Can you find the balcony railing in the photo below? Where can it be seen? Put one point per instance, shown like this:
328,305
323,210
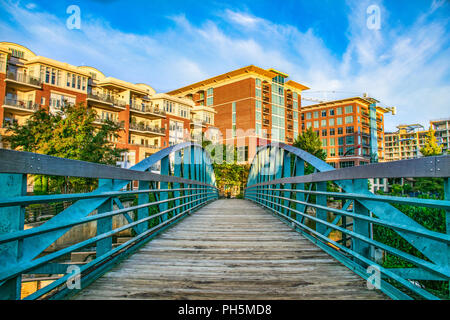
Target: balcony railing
107,99
266,110
23,78
103,120
146,108
144,128
147,146
21,104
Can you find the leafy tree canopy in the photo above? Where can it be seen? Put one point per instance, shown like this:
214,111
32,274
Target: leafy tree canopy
70,134
431,147
310,142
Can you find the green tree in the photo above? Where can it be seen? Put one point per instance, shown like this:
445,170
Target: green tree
431,147
69,134
310,142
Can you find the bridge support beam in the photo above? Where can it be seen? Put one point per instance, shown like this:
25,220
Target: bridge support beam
164,185
320,213
143,198
11,220
105,224
299,196
359,226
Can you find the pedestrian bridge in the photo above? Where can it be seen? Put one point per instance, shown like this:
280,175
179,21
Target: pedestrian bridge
296,235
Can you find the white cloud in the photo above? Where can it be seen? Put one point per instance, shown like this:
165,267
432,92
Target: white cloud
408,68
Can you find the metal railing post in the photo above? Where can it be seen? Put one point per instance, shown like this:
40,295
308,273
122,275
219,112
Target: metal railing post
321,213
11,220
164,185
177,173
287,173
142,199
299,196
360,226
105,224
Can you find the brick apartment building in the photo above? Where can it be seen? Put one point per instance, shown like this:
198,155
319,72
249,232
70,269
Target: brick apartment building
150,121
351,130
251,103
442,133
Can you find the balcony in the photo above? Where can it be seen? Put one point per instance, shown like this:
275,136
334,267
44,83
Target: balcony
290,128
266,110
196,123
288,139
20,106
147,110
266,122
141,128
22,81
153,147
100,120
107,100
289,105
266,89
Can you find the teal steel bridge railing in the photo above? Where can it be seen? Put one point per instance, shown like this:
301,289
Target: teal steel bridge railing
277,182
186,183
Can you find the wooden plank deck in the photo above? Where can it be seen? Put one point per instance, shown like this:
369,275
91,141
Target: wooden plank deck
230,249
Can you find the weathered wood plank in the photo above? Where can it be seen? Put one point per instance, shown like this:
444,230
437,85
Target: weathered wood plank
230,249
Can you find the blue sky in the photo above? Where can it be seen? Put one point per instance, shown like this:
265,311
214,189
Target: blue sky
323,44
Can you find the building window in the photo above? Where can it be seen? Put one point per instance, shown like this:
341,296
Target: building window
258,83
350,130
332,132
324,142
339,111
340,130
348,119
308,125
210,97
340,141
324,113
332,142
324,132
316,114
308,116
331,122
347,164
349,140
338,121
233,106
316,124
324,122
348,109
47,75
332,152
341,151
331,112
